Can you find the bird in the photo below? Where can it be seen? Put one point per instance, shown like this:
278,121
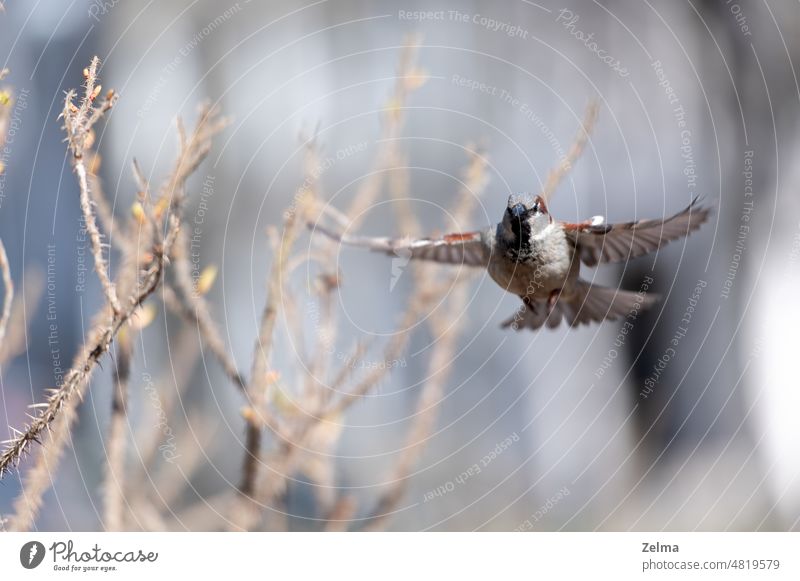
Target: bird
538,258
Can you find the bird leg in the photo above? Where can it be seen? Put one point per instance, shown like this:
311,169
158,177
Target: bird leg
552,299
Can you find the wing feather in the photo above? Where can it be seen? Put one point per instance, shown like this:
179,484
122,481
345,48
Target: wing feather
618,242
467,248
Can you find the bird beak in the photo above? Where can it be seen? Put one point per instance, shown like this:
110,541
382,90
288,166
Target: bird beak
518,211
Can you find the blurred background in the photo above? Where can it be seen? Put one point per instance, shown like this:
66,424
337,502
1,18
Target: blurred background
686,422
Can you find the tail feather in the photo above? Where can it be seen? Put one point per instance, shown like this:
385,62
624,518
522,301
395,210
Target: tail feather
587,303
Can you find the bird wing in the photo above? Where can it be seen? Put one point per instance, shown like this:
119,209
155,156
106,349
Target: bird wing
616,242
466,248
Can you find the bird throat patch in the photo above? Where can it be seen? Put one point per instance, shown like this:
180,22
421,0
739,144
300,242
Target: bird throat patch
520,248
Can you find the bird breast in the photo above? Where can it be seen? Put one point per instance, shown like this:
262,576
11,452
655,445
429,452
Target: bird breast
549,266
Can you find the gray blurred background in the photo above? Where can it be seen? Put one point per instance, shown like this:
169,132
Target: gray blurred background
698,93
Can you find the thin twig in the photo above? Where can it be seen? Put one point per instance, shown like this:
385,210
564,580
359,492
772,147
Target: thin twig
407,79
259,414
8,292
186,350
556,175
114,505
99,202
15,341
320,427
342,513
193,307
78,122
445,326
426,412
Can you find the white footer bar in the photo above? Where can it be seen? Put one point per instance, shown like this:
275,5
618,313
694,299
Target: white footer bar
401,556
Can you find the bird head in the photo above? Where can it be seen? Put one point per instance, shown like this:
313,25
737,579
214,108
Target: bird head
525,217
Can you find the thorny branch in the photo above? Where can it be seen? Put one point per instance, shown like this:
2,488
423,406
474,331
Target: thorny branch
78,123
193,149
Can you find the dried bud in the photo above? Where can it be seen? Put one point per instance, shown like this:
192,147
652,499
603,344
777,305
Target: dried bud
393,108
94,164
206,279
284,402
138,213
416,78
96,92
146,258
142,317
161,206
329,281
249,414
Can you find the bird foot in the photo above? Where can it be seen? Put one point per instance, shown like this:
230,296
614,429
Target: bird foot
552,299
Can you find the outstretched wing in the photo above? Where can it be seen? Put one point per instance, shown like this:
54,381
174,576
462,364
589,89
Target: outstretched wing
615,242
467,248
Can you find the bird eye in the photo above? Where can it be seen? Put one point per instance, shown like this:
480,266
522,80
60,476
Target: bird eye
536,207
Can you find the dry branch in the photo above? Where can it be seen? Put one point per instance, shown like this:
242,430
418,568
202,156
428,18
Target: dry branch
112,317
258,414
114,487
323,414
555,176
444,327
78,123
189,303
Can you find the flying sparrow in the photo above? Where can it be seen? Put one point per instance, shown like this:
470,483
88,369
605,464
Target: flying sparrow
539,258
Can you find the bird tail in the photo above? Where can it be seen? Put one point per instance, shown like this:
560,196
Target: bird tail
586,303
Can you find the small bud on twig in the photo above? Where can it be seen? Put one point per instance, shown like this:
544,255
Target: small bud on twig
206,279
